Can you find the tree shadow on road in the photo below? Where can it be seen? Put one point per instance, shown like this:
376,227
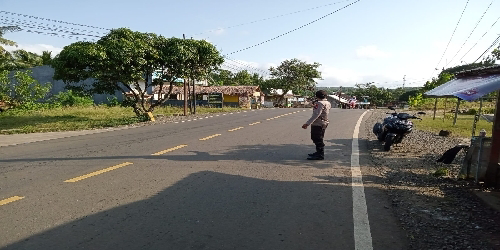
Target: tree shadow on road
337,152
209,210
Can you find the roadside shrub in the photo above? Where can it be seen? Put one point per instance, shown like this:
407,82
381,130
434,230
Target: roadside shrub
71,99
441,172
22,89
471,111
113,102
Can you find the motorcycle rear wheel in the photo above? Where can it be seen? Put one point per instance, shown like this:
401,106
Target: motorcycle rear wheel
388,143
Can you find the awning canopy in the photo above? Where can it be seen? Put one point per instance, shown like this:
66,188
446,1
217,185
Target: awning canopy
467,88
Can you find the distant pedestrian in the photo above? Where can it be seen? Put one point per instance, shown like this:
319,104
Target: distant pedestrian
319,122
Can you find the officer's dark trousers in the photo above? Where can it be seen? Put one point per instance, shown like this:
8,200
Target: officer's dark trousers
317,134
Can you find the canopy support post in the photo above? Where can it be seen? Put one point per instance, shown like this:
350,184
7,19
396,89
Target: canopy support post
435,109
456,112
444,110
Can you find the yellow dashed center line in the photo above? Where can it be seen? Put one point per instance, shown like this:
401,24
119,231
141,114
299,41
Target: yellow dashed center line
210,137
255,123
11,199
234,129
79,178
169,150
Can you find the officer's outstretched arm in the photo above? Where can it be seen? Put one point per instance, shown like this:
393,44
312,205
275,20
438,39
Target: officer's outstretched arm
316,113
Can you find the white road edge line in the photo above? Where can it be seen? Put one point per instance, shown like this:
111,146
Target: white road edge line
362,234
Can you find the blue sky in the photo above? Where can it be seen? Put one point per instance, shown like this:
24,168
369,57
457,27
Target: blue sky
372,40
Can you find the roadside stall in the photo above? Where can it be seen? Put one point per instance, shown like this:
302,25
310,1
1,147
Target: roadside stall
472,85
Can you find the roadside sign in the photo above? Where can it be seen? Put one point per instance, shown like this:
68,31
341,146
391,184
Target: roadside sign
216,100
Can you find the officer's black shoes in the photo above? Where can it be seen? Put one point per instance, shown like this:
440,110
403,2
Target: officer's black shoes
313,154
316,158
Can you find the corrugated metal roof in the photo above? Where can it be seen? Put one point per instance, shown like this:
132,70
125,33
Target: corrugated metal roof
470,84
468,88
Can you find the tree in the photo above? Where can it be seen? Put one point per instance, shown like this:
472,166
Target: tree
3,41
294,75
46,57
241,78
22,88
123,59
443,78
221,78
377,96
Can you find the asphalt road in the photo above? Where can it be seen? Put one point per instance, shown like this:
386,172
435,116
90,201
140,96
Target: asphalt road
241,186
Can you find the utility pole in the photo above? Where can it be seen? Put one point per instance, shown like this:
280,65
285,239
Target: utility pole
404,81
185,90
194,95
194,91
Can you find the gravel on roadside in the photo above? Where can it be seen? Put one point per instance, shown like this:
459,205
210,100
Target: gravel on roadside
435,212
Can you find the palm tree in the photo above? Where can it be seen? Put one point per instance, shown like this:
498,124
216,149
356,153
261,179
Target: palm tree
6,59
3,41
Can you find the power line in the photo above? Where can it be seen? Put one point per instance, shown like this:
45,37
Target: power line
470,33
246,65
45,28
31,22
295,28
52,20
488,49
239,68
480,38
269,18
452,34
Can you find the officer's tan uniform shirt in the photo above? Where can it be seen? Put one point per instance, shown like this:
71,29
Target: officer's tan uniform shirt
320,113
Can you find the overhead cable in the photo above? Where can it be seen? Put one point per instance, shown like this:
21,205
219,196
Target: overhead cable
488,49
456,26
269,18
307,24
480,39
51,20
470,33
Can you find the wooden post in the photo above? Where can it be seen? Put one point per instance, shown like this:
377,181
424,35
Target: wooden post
492,170
444,110
456,112
194,96
435,109
185,91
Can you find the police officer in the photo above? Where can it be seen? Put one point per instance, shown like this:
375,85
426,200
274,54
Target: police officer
319,122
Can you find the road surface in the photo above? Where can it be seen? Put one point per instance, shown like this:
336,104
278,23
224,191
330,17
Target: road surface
234,181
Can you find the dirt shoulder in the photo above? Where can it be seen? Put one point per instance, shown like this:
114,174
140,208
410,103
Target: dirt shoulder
435,212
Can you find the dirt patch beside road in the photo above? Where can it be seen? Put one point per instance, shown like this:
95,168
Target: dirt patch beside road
435,212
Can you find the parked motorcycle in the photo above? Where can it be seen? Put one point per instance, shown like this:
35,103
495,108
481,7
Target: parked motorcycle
394,128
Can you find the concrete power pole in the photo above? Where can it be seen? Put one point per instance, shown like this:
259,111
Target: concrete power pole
185,91
404,81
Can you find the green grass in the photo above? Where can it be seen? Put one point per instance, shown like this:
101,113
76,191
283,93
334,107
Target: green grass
79,118
463,128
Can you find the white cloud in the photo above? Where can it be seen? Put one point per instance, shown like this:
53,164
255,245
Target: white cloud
35,48
370,52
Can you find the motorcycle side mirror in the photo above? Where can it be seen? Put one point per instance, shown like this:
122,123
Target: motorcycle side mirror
421,113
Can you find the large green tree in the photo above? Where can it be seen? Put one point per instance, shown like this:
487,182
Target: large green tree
242,78
376,96
295,75
123,59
